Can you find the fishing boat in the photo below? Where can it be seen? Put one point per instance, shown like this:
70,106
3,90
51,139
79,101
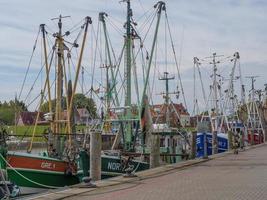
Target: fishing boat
31,170
65,160
221,120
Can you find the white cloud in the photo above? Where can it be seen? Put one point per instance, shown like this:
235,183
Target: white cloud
208,25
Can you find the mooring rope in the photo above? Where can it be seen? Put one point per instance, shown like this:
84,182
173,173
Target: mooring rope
34,182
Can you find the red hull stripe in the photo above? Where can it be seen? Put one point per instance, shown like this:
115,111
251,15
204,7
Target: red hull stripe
37,163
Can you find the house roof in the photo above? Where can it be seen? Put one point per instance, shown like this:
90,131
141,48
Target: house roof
161,109
83,112
158,113
29,118
80,112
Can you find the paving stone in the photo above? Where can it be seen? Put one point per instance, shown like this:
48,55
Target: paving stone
233,177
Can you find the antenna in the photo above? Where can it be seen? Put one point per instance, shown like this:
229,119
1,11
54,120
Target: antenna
166,96
60,17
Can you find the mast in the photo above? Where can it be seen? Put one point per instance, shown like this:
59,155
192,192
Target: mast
59,77
82,80
88,21
128,41
215,115
159,6
42,26
110,86
215,85
166,78
127,75
254,121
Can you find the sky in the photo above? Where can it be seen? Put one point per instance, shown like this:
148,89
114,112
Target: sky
199,28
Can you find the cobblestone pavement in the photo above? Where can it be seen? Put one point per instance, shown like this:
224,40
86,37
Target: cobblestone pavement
237,177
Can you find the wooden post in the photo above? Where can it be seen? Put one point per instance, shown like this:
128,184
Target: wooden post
193,145
155,151
214,142
230,140
171,149
205,145
95,155
179,148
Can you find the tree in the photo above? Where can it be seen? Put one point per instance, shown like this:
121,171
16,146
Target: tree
7,115
79,101
8,110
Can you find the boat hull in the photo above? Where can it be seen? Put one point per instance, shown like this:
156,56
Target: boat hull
38,171
222,143
35,171
110,166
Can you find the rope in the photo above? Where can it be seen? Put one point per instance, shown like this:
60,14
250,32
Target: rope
138,164
29,64
34,182
178,65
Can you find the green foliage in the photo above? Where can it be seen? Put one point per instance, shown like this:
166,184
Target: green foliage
26,131
7,115
8,110
79,101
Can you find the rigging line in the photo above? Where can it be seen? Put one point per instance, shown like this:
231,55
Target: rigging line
112,49
115,19
76,39
41,62
121,87
75,26
108,44
177,65
154,74
202,85
116,62
150,25
101,56
49,42
144,11
119,63
115,27
165,39
96,48
29,64
49,29
225,58
93,39
93,78
135,79
73,66
45,96
144,24
39,73
149,91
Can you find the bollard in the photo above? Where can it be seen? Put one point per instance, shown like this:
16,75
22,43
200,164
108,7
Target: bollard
193,145
95,155
155,151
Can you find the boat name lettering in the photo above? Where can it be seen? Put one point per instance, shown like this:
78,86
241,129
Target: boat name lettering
114,166
48,165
